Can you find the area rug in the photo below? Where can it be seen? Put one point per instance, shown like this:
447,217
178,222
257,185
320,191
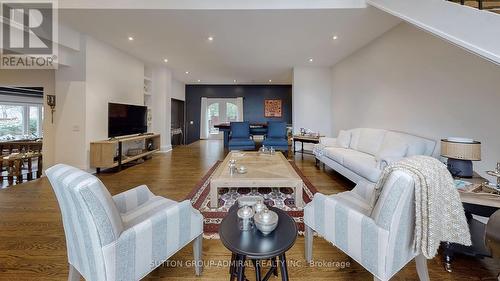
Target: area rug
281,198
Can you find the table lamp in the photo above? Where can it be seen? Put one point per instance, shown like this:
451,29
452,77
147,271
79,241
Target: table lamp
460,153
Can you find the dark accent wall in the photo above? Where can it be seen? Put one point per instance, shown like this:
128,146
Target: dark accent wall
253,103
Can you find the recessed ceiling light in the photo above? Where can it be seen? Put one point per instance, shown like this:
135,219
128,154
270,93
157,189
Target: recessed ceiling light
210,38
310,59
335,37
130,38
199,80
187,72
165,60
235,80
270,80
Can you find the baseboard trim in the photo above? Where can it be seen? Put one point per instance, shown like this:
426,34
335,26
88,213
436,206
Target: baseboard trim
166,148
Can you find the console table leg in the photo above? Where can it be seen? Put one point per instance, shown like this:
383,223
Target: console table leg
284,268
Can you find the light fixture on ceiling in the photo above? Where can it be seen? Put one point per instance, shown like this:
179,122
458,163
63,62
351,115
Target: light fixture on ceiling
187,72
199,80
235,80
335,37
310,59
210,38
130,38
165,60
270,80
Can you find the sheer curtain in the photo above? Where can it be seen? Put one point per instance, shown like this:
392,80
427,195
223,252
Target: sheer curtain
204,134
239,104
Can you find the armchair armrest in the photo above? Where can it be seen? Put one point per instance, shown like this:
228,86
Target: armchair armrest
328,141
149,243
348,229
132,198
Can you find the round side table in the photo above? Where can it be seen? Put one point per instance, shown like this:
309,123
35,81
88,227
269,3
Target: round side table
255,246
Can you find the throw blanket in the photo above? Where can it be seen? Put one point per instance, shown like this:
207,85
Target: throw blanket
439,214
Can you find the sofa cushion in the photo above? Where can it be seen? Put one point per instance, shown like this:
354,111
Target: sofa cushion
344,139
370,140
337,154
392,151
416,145
362,164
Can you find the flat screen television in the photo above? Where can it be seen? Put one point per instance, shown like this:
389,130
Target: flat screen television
126,119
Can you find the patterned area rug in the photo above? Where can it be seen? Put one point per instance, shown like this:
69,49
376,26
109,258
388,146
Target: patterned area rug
281,198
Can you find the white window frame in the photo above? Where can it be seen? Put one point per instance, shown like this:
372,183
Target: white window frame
26,114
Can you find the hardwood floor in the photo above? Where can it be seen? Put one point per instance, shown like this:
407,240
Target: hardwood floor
32,243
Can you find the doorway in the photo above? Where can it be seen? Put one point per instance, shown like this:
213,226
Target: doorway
217,111
177,127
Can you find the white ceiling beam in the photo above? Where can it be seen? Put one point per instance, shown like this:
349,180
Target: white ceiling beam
212,4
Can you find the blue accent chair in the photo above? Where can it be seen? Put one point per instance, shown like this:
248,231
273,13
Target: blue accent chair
276,136
239,138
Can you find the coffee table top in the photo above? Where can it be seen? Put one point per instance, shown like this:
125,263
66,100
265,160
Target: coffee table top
262,170
253,243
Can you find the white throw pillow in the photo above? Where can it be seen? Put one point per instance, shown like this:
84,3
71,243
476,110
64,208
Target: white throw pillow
344,139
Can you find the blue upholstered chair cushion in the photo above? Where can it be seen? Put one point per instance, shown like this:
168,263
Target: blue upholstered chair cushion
276,129
241,142
275,142
240,130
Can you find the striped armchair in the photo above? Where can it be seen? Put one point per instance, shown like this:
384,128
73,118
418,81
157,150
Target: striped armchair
378,238
123,237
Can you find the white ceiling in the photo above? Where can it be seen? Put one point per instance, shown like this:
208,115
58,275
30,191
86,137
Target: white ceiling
251,46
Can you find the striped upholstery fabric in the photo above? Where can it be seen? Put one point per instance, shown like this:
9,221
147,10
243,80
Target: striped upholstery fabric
380,239
122,237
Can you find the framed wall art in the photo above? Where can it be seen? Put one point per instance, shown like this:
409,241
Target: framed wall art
273,108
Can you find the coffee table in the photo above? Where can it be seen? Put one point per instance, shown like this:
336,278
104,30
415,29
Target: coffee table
254,245
263,170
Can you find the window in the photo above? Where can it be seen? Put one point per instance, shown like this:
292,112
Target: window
231,112
11,120
20,121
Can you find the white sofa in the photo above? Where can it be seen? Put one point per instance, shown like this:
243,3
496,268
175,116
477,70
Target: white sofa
363,153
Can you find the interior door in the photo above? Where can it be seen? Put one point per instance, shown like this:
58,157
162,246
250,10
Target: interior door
177,127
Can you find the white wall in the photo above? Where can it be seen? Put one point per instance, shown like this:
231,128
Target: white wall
311,95
36,78
411,81
178,90
162,90
69,118
111,76
97,74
